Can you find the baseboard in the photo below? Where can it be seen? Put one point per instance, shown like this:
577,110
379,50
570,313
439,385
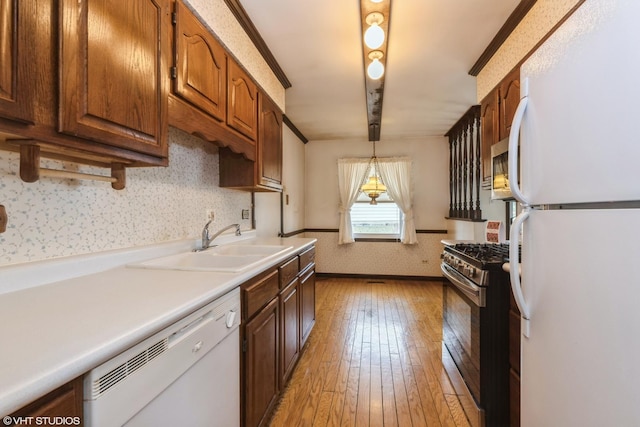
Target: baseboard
379,277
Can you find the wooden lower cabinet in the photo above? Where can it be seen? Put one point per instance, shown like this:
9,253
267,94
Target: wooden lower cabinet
261,360
514,399
289,331
307,304
514,364
61,406
278,315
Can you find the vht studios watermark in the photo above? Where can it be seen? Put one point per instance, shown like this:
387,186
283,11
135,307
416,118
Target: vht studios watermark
41,421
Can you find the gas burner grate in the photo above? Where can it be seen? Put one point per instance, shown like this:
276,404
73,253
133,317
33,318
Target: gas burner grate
488,253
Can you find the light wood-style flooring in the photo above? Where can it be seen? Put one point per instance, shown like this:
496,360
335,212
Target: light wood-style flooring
373,359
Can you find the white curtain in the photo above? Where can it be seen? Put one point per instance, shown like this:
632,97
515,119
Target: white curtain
351,173
396,175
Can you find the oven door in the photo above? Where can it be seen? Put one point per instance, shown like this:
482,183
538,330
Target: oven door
461,340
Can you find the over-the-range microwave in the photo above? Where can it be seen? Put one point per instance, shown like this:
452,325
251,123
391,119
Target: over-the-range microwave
500,188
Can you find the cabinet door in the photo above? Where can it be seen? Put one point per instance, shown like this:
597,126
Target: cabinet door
289,332
261,364
15,48
307,305
509,99
201,65
489,128
270,143
114,72
242,101
65,401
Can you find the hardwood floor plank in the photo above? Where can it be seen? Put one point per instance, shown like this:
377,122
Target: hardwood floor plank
431,413
337,404
364,387
311,404
324,409
459,418
373,359
351,398
403,411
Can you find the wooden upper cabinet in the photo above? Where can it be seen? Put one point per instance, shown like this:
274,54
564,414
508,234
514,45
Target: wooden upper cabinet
509,91
489,128
15,46
242,102
114,72
496,115
201,65
270,144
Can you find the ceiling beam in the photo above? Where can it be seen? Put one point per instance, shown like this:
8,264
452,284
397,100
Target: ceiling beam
374,88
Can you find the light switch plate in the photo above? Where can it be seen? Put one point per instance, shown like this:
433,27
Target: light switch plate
245,213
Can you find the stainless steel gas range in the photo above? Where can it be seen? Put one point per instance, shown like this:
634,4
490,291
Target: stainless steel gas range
475,329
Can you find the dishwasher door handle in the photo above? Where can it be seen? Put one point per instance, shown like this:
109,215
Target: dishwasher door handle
231,317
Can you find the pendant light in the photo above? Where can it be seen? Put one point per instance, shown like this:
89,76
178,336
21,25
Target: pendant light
373,187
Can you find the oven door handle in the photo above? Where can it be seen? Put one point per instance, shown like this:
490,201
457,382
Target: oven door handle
476,293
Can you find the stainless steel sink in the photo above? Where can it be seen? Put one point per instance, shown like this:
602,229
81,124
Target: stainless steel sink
227,258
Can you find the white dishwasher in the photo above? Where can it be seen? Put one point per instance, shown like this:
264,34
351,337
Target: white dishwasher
186,375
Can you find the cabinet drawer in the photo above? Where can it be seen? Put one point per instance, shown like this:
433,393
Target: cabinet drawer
256,294
288,272
307,258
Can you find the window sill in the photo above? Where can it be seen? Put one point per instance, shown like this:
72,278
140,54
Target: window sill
378,239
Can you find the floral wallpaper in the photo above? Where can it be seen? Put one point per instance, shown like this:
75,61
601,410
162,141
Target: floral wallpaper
60,217
55,217
539,21
225,26
394,259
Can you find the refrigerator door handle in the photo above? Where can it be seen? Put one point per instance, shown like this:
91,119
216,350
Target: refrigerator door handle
514,140
514,271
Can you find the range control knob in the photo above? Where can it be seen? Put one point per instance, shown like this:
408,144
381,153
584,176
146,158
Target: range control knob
470,271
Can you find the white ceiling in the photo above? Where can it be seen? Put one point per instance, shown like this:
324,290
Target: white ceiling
432,46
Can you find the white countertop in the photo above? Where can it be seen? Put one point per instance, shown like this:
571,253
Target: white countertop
54,332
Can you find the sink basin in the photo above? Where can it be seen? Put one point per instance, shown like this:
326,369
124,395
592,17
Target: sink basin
228,258
245,250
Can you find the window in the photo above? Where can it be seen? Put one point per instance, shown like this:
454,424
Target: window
396,174
375,221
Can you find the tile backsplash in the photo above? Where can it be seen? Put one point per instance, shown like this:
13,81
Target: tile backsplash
60,217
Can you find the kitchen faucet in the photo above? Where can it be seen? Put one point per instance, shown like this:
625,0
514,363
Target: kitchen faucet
206,240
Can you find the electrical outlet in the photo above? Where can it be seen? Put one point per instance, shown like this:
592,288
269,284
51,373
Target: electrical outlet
245,213
210,214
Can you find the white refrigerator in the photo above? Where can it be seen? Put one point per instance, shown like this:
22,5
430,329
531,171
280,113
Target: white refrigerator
576,142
